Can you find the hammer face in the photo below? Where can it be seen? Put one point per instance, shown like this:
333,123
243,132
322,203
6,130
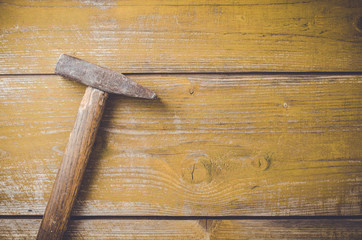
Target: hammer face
101,78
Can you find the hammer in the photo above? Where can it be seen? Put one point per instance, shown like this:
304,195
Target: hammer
100,82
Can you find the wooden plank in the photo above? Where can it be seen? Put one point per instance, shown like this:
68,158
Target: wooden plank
192,229
287,229
212,145
107,229
183,36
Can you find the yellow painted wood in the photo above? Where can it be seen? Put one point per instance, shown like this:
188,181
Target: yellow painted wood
286,229
183,36
192,229
108,229
212,145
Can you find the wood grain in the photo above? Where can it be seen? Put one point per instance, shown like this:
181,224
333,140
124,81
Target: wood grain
212,145
286,229
193,229
183,36
72,168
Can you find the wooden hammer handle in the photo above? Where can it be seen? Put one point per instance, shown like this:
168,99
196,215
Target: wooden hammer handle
72,168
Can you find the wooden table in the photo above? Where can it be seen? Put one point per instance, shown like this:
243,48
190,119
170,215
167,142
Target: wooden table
256,135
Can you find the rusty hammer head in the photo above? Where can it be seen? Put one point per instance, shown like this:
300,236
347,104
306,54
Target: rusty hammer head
101,78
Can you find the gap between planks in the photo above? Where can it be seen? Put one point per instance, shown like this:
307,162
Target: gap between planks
207,73
179,218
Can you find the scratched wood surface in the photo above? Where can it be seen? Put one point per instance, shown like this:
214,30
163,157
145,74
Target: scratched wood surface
183,36
227,144
212,145
193,229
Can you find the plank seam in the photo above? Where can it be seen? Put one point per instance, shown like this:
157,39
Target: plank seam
207,73
117,217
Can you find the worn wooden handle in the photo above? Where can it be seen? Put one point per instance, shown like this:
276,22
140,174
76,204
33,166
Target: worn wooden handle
72,168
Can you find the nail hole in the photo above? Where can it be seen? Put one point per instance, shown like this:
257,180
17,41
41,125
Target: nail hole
191,91
359,23
285,105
